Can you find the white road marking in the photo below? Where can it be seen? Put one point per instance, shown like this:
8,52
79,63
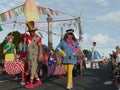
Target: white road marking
4,81
108,82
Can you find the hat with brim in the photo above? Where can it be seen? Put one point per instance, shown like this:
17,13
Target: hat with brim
69,31
31,26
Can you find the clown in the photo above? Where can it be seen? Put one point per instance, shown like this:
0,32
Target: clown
11,65
34,54
70,46
9,49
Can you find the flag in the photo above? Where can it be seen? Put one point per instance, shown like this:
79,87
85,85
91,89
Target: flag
1,29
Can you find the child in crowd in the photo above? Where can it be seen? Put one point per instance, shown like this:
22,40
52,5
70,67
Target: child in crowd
51,63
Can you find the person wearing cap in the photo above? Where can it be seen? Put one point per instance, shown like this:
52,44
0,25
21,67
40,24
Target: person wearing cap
70,46
34,54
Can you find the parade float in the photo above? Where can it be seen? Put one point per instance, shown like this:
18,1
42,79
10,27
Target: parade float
31,12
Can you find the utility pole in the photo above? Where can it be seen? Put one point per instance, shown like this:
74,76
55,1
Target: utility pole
79,26
61,33
80,29
49,20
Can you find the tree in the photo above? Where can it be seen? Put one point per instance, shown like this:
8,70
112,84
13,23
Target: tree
86,52
16,41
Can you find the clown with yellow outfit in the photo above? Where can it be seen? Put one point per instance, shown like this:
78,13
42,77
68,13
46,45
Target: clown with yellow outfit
11,66
9,49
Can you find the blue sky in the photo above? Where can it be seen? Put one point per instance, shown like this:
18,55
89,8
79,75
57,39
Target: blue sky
100,20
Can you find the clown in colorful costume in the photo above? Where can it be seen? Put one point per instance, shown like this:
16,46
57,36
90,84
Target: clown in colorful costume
9,49
11,65
34,53
71,47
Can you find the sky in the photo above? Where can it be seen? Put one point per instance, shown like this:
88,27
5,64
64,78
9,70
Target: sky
100,21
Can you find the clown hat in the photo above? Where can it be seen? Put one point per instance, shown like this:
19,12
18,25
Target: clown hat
31,26
69,31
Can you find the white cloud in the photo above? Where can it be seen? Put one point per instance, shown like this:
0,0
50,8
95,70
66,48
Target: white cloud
112,17
102,39
103,2
11,4
99,38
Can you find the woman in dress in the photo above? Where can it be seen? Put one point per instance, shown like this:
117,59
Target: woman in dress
94,57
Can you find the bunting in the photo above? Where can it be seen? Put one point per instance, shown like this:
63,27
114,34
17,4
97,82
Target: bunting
30,6
29,12
42,26
65,23
11,13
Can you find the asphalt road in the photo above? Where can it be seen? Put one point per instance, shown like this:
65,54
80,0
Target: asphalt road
92,79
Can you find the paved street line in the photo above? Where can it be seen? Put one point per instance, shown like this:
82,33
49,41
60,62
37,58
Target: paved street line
108,82
9,80
4,81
